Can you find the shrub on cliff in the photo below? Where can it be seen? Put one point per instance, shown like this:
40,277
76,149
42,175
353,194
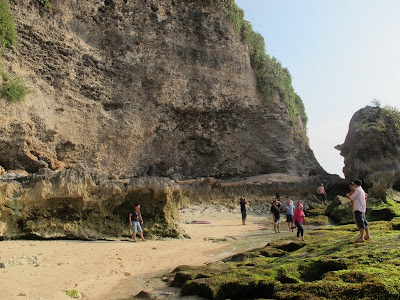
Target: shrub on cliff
13,88
45,3
8,33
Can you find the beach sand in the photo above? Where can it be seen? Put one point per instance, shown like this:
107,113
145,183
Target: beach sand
120,269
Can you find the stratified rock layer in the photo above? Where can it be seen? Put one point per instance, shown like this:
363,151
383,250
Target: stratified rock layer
133,88
79,203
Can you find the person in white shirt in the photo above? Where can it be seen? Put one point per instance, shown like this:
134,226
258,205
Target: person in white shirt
359,208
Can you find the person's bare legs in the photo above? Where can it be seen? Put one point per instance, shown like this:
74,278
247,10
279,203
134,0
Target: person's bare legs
141,236
134,237
361,238
367,235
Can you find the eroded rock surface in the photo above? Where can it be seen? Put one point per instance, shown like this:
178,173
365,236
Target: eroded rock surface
142,88
80,203
371,150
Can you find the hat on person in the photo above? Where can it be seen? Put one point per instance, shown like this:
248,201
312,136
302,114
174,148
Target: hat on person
358,182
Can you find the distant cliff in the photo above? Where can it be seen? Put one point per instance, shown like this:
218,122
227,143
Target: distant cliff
149,88
371,150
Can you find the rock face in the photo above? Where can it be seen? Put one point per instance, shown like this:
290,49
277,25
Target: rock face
371,150
79,203
133,88
127,94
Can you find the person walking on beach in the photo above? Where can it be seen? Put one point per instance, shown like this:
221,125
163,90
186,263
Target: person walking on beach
322,193
243,203
298,220
289,213
135,221
359,208
276,215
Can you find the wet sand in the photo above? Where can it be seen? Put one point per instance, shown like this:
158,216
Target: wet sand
120,269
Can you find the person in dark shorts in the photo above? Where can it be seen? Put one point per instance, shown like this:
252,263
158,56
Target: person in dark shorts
359,207
276,215
289,209
243,203
135,221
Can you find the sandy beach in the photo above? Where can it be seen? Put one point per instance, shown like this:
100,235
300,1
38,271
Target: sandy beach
120,269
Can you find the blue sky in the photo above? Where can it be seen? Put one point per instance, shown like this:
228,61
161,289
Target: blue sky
342,54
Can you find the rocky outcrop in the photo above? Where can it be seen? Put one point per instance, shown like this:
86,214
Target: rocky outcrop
371,150
142,88
340,210
80,203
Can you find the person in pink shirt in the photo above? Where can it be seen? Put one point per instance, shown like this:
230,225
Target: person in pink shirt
298,220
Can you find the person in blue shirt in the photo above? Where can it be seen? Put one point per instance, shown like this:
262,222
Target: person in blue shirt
289,213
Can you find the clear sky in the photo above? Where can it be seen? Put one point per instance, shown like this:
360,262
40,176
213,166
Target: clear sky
342,54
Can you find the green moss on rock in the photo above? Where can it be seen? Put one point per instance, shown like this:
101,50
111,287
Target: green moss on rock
329,266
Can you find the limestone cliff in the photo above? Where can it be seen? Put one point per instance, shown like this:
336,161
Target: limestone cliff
126,92
371,150
133,88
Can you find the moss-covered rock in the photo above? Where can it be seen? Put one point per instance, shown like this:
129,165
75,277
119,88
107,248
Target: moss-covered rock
329,266
340,210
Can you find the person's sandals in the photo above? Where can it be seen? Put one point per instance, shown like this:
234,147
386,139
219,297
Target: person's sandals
367,237
359,240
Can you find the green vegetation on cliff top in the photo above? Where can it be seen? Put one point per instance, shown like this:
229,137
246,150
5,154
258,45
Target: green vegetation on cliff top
386,119
272,79
328,266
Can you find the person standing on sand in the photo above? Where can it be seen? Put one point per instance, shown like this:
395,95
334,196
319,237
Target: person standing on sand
276,215
277,194
243,203
359,207
298,220
135,220
289,213
321,191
